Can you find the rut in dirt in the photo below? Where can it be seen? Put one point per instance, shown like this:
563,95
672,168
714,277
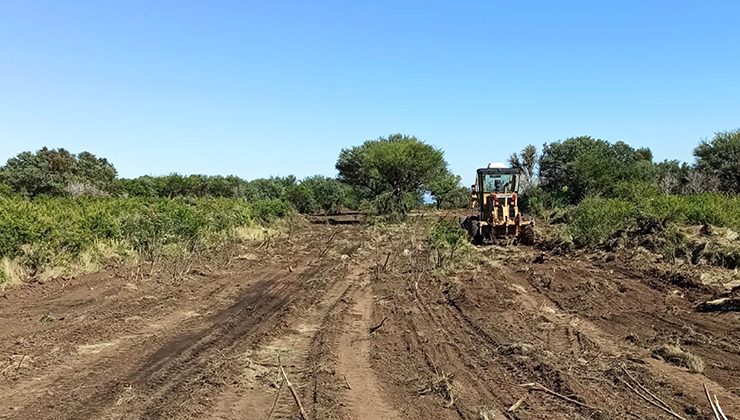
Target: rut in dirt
176,371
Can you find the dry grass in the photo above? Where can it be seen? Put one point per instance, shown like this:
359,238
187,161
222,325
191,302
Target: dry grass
94,259
254,233
522,349
675,355
454,291
440,384
11,273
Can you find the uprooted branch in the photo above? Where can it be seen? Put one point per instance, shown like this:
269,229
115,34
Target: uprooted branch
658,400
534,386
377,327
292,391
651,401
716,409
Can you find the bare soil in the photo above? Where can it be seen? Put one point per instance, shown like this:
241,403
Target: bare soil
364,329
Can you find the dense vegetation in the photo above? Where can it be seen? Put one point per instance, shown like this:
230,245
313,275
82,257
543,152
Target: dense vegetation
601,189
596,220
51,232
58,208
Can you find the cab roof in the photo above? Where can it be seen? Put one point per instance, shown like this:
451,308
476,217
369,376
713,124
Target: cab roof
498,171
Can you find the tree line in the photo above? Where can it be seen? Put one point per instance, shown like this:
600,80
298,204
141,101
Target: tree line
393,174
568,171
386,175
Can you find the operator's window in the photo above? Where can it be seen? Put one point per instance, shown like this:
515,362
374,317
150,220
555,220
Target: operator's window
498,183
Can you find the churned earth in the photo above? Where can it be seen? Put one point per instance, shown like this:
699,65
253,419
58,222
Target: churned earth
364,328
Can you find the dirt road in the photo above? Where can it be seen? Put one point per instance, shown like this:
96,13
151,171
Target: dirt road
365,330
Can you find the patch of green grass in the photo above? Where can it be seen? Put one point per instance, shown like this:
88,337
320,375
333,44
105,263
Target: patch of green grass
595,220
63,233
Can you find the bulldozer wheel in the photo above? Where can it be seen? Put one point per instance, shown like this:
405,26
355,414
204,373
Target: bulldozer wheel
472,225
527,235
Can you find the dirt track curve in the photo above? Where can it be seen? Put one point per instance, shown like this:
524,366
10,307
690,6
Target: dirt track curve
126,345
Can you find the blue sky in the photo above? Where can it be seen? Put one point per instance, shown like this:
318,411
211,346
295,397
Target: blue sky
279,87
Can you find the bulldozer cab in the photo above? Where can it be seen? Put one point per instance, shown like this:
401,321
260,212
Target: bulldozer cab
498,182
495,197
493,184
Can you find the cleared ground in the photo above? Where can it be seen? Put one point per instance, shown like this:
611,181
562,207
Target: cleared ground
206,340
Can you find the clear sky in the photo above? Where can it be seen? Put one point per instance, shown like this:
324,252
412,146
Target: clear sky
278,87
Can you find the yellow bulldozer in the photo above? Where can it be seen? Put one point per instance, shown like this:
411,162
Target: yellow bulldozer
495,196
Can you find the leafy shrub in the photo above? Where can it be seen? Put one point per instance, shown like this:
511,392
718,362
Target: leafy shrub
271,209
596,219
533,201
58,172
319,194
328,194
302,198
57,231
580,167
448,192
5,189
721,157
448,242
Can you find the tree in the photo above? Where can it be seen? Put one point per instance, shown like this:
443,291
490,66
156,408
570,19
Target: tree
5,189
302,198
526,161
329,194
175,185
720,158
459,198
270,188
58,172
671,176
444,187
95,171
698,182
577,167
393,170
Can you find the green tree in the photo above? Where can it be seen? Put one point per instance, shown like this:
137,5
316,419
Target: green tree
527,161
302,198
92,170
143,186
58,172
270,188
328,194
5,189
394,170
444,187
720,157
175,185
575,168
459,198
672,176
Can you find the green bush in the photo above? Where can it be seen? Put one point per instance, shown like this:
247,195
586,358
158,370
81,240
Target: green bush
56,231
533,201
271,209
596,219
448,242
720,157
579,167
